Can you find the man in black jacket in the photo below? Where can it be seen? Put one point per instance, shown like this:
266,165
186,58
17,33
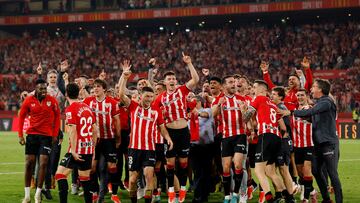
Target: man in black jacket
325,138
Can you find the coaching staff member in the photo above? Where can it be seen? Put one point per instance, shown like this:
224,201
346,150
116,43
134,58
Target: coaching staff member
326,141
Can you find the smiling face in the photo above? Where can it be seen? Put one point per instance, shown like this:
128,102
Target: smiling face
51,79
147,98
215,87
229,85
41,90
99,91
170,82
316,91
301,97
293,82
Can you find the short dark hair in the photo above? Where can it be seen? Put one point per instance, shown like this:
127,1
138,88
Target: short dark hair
101,83
280,90
40,81
214,78
324,85
223,81
161,83
245,78
303,90
169,73
140,80
293,74
237,76
262,82
147,89
200,99
72,90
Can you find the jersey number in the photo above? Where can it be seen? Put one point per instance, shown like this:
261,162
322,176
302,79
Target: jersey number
273,115
86,123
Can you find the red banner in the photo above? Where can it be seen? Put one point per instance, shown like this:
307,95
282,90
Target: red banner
179,12
329,74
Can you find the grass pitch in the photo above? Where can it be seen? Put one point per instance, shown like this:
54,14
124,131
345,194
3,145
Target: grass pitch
12,173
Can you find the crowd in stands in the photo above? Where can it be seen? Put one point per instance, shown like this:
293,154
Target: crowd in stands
223,51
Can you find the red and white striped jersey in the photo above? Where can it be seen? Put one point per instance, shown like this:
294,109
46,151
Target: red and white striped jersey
158,138
266,115
174,104
104,112
218,121
231,116
80,115
301,131
144,123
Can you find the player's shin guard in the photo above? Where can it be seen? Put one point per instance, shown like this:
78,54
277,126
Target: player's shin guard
86,184
170,175
148,196
63,187
238,178
226,183
308,185
183,172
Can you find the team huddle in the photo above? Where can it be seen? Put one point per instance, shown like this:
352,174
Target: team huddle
163,128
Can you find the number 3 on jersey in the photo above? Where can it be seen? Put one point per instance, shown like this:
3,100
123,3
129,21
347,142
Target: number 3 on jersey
86,123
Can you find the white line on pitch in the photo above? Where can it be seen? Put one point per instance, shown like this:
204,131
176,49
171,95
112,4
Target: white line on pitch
12,163
349,160
11,173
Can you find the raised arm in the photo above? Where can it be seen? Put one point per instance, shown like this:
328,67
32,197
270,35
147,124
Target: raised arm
308,74
122,82
191,84
60,82
266,76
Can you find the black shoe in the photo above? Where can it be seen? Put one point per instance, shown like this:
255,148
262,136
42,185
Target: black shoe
47,194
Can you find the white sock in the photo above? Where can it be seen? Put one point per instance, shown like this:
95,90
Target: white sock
183,188
27,192
227,197
38,192
171,189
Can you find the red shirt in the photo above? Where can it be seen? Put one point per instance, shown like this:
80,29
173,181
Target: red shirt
80,115
104,112
158,138
231,116
143,126
175,103
193,123
124,118
266,115
301,131
44,116
290,99
217,119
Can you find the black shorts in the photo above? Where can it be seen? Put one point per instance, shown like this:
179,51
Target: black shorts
234,144
38,144
181,140
160,152
140,158
268,148
251,155
107,147
303,154
69,162
284,156
125,139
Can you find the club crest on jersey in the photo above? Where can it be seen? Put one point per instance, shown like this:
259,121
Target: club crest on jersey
107,105
68,115
48,103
